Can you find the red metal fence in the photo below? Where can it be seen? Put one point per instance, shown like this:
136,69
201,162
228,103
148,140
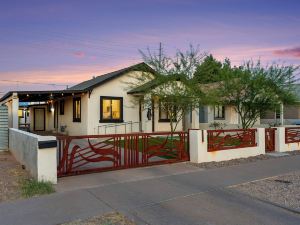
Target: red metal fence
86,154
230,139
292,135
270,139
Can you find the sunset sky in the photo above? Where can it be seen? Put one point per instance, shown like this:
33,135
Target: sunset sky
67,41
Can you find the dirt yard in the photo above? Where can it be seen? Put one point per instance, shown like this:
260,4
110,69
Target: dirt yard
11,177
282,190
108,219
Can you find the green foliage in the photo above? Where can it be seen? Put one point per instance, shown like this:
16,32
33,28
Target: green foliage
172,85
33,187
208,71
253,89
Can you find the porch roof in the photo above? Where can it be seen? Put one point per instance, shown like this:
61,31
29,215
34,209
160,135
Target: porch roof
40,96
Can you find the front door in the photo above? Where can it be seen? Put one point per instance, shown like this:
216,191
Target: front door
39,119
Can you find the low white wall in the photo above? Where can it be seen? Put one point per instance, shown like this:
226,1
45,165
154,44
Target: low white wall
199,148
40,162
280,145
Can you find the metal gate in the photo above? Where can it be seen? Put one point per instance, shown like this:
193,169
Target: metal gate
96,153
3,128
270,139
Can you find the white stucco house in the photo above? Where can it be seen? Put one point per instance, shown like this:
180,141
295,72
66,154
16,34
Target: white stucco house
102,105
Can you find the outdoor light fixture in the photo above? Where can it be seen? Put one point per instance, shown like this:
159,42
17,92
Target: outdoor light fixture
52,108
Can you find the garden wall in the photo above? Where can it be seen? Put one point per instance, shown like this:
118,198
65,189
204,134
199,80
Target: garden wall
199,151
36,153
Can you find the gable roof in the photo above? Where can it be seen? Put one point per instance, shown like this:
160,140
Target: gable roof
99,80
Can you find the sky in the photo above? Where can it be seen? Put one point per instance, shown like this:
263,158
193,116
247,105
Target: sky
51,44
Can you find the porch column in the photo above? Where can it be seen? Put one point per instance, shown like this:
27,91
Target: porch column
281,114
195,119
15,109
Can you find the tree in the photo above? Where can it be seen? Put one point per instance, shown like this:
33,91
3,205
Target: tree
208,71
253,89
172,83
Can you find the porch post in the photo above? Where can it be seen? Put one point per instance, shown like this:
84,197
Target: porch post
281,114
15,109
195,119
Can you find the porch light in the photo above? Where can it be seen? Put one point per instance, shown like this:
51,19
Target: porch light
52,108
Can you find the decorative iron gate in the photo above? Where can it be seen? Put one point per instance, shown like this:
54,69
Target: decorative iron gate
3,128
96,153
270,139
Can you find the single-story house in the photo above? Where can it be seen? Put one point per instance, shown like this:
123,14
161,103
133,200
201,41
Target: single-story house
102,105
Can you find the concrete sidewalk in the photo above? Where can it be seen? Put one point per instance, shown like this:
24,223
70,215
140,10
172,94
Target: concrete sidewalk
191,196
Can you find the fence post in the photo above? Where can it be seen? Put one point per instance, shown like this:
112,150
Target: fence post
280,139
260,140
198,145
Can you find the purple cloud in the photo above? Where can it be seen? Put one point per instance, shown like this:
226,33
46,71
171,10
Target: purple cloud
293,52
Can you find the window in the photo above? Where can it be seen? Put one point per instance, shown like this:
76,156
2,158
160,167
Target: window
164,110
21,113
111,109
62,107
219,112
77,109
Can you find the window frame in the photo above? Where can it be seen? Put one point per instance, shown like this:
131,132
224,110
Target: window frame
62,107
218,117
76,120
111,120
159,115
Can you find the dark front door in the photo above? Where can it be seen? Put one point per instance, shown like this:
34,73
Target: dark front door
39,119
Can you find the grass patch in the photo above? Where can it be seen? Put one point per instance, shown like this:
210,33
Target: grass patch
31,188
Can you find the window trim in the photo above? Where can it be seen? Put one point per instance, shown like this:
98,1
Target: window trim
223,112
76,120
102,120
62,107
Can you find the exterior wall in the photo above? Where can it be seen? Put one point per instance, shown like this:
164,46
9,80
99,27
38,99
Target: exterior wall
116,88
75,128
41,163
231,118
199,153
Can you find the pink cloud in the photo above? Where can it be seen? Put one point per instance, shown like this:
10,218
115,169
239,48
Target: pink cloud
293,52
79,54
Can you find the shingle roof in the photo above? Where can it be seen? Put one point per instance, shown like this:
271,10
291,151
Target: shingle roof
99,80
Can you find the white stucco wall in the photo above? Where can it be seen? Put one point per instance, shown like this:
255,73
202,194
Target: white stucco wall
117,88
199,153
74,128
280,145
41,163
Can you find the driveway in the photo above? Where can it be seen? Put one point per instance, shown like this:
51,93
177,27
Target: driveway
188,196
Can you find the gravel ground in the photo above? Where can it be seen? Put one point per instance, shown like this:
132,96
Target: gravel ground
11,175
211,165
283,190
108,219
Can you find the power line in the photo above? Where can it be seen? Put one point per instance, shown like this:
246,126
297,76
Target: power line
27,82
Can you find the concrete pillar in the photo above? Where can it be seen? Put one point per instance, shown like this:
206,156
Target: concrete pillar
198,145
280,139
15,109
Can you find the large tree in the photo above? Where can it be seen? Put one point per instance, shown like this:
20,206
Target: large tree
254,89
